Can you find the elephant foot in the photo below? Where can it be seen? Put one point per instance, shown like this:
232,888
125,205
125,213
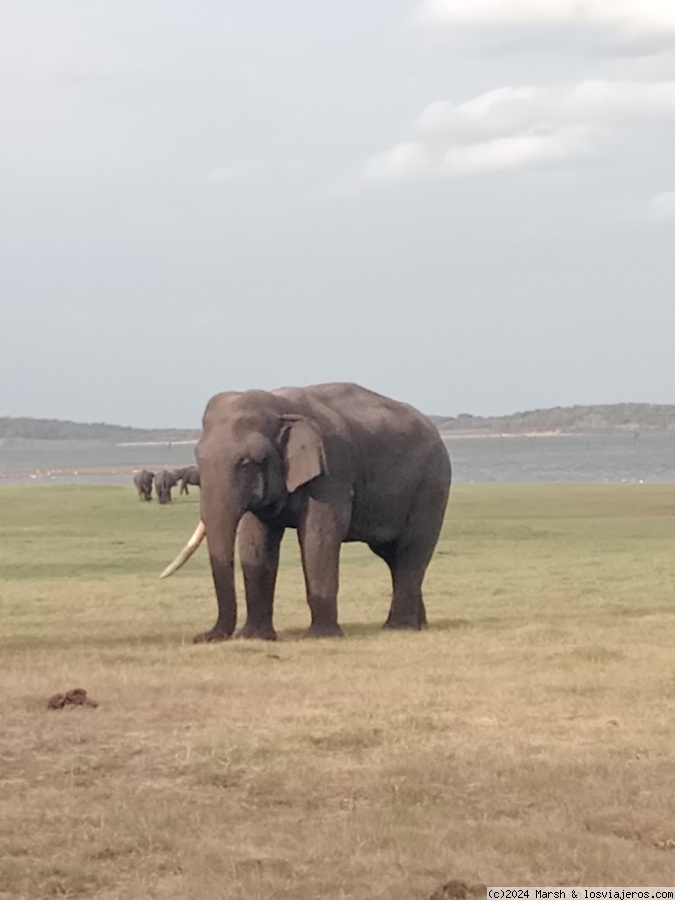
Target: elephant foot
324,631
211,637
260,632
403,624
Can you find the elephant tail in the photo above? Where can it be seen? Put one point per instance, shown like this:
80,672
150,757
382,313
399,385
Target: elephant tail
187,551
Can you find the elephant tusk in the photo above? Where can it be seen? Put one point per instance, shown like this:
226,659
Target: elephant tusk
187,551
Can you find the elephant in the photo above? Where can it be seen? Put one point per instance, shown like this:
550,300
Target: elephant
164,481
187,475
143,482
337,463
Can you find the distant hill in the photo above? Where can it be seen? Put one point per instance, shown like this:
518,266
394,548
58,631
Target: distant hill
559,419
565,419
57,430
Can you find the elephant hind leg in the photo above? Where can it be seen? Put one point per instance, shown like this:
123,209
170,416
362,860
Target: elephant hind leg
407,607
407,610
408,558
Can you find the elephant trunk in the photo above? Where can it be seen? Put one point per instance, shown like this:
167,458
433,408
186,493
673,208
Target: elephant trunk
221,537
222,510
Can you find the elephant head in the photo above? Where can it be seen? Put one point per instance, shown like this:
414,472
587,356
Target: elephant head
253,454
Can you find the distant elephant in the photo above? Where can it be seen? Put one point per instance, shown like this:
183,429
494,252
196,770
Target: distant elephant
164,481
188,475
334,461
143,482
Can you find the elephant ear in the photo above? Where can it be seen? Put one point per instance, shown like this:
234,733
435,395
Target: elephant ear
303,451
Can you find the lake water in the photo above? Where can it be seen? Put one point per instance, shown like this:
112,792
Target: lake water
599,459
575,459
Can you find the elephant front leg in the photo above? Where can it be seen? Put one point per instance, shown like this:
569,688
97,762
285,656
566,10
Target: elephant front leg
320,535
259,553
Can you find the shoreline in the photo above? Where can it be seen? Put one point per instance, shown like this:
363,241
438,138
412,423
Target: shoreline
513,434
71,472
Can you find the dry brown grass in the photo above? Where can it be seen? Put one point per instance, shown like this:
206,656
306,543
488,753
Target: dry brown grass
526,737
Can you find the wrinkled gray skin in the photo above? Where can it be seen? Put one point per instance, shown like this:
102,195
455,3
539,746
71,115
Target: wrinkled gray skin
188,475
337,463
143,482
164,481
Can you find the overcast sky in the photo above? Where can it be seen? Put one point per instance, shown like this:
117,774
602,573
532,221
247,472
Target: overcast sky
465,204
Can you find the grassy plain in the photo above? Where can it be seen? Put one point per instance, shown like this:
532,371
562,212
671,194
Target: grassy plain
527,737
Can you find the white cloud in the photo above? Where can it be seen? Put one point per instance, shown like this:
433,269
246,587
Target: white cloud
406,160
517,127
662,206
513,110
514,152
623,17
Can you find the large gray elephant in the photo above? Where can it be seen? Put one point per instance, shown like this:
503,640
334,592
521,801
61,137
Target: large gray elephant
334,461
164,481
143,482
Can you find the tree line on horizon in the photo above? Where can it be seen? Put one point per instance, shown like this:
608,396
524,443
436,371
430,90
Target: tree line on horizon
63,430
566,419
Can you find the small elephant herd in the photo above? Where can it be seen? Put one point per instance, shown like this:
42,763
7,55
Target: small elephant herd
164,481
334,462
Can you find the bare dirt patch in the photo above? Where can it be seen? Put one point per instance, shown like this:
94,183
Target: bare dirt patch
73,697
456,889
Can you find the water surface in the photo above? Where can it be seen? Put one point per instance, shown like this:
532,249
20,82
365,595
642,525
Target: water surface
596,459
